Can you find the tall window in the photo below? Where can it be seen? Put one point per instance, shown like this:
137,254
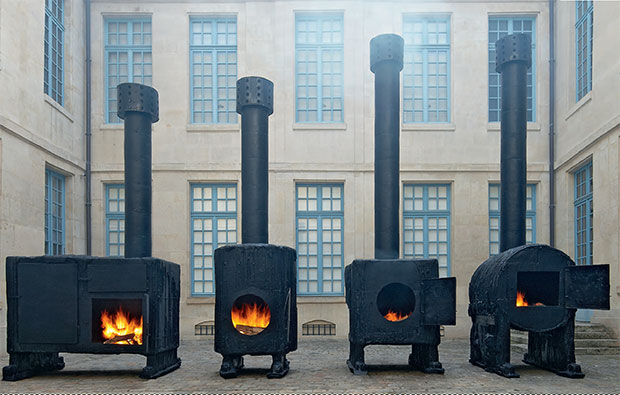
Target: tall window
320,217
213,224
426,75
584,213
319,53
213,69
128,57
494,216
115,219
498,28
54,48
54,213
583,46
426,212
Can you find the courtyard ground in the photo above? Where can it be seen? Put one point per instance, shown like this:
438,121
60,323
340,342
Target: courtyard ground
318,366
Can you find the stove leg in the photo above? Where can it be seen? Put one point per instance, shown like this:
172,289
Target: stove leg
490,348
356,359
555,351
425,357
231,366
27,364
160,364
279,367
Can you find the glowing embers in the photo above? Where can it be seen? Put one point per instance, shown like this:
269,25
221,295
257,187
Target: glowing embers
250,315
118,322
396,302
537,289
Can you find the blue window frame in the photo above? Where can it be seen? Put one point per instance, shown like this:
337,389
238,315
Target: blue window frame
583,46
115,219
494,216
213,70
584,213
54,213
319,54
213,224
128,57
498,28
426,223
54,49
319,233
426,74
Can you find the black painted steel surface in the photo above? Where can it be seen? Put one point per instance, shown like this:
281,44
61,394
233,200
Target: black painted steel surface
386,62
534,288
513,58
138,106
51,303
255,104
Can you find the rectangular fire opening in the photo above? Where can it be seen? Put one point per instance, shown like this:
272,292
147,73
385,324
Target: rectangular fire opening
538,288
117,322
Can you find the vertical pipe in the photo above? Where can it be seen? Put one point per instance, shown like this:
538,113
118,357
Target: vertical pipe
88,175
386,62
138,105
551,123
513,58
254,104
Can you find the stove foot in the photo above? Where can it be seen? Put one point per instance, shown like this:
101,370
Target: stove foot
425,358
356,359
506,369
231,366
160,364
279,367
27,364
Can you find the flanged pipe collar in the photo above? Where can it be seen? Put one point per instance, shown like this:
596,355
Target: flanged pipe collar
134,97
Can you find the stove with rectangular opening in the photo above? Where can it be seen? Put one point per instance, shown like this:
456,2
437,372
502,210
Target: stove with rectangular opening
90,305
86,304
534,288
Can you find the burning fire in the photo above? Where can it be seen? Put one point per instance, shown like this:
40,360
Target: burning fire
118,328
393,316
522,302
251,319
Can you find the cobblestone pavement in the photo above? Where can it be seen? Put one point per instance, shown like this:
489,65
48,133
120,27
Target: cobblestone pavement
318,366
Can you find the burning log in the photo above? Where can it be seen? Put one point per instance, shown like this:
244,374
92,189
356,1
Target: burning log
121,338
249,330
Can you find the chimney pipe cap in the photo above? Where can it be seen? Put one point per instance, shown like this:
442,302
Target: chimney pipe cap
386,47
254,91
137,98
515,47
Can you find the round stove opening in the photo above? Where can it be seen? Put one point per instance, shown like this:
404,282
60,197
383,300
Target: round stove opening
396,302
250,315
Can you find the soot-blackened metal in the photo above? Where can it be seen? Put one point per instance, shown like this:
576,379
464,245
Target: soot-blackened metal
50,299
255,267
493,287
364,279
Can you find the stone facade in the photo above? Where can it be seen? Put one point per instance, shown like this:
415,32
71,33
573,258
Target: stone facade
464,153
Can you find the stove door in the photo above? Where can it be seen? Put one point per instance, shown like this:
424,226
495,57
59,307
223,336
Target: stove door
439,298
587,287
47,306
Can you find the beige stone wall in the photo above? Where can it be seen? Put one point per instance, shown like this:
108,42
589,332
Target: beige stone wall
589,130
463,153
37,133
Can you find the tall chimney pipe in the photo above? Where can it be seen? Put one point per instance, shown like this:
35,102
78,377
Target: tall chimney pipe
254,104
138,105
513,58
386,62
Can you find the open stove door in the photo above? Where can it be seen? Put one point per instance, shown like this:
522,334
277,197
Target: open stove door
439,301
587,287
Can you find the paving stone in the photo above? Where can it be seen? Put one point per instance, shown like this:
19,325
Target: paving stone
318,366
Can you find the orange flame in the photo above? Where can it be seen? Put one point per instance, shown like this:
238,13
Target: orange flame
522,302
393,316
254,315
119,324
